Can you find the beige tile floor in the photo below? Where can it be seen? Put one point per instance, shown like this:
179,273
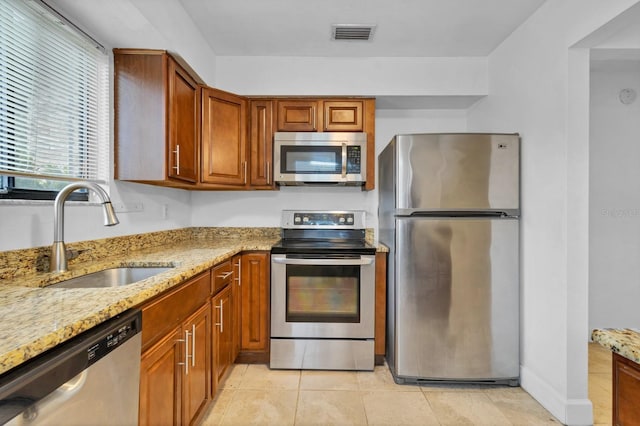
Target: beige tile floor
253,394
600,383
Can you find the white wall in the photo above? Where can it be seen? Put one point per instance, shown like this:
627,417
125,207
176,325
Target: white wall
318,76
140,23
145,24
30,224
262,208
614,202
537,88
352,76
117,23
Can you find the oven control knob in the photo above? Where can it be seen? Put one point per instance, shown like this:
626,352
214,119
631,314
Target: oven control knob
342,220
305,219
297,219
350,219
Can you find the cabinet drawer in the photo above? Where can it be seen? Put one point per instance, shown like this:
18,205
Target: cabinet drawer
222,275
168,310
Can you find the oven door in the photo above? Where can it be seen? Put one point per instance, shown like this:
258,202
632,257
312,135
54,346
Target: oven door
322,296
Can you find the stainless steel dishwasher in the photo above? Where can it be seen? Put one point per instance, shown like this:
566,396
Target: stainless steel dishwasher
92,379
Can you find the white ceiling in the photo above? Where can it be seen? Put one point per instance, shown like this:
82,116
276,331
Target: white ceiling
404,27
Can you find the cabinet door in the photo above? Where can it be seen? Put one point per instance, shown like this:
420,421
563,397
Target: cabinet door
197,371
224,159
161,382
236,292
298,116
255,302
184,124
343,116
222,335
261,142
626,391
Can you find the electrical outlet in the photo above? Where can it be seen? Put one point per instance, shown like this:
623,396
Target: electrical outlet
134,206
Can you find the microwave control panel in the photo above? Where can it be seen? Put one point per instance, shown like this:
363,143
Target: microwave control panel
354,159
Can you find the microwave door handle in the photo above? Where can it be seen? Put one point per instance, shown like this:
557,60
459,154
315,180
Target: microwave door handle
323,262
344,160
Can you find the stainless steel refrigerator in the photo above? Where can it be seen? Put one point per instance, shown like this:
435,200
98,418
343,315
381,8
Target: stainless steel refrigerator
448,211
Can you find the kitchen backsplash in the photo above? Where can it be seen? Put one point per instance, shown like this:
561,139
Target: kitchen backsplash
25,262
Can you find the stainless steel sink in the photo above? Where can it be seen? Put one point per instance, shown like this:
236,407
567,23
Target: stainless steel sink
114,277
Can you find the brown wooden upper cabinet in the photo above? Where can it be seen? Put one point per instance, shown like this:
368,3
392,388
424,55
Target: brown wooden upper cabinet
172,130
318,115
297,116
157,119
261,144
343,116
331,115
224,154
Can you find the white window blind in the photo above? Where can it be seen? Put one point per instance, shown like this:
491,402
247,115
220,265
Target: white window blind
54,88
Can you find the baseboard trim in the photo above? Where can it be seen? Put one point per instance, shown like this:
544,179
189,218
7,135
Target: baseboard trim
574,412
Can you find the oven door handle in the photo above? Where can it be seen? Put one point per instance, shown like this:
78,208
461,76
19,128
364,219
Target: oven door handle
323,262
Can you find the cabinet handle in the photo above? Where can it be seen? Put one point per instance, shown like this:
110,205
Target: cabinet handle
221,323
239,279
182,341
193,345
177,153
268,173
186,352
224,276
245,172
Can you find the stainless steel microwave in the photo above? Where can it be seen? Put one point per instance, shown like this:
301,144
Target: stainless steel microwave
308,158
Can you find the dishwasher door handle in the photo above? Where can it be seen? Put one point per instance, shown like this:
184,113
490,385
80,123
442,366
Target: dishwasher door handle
323,262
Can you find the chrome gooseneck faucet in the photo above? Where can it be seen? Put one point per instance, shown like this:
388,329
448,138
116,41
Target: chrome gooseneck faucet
58,261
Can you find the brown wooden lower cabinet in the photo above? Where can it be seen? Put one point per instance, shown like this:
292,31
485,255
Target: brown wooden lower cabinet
236,292
381,307
175,368
161,382
254,310
174,374
626,391
197,368
222,333
192,334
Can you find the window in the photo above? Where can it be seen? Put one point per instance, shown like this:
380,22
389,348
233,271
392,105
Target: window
54,103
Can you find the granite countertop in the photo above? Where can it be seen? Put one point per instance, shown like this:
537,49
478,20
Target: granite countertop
34,318
623,341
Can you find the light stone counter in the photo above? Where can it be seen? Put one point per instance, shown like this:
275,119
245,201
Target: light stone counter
625,342
34,318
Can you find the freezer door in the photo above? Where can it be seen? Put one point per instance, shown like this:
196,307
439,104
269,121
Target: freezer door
458,172
457,299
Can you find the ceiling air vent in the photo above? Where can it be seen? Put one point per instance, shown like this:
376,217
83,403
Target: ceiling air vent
361,32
